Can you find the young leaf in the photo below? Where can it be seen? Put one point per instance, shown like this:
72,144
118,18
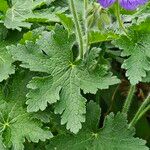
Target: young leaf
114,134
67,78
137,50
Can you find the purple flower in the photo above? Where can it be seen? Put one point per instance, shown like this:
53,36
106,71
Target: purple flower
126,4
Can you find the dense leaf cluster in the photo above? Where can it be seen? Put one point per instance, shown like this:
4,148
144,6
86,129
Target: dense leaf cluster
51,98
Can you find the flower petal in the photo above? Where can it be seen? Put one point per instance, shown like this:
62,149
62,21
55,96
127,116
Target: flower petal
142,2
106,3
131,4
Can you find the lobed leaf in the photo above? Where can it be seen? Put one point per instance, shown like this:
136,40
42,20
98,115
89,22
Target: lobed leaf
16,124
137,49
114,134
67,78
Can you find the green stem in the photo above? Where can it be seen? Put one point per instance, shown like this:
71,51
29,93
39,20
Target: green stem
142,110
78,28
119,19
129,99
86,26
112,100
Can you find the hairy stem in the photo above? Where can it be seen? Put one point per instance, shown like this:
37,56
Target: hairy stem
119,19
141,111
86,26
78,28
129,99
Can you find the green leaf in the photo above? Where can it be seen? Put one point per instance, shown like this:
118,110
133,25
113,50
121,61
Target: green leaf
67,22
114,134
147,78
45,15
44,93
1,143
137,49
15,87
67,78
96,36
17,14
22,14
39,3
6,67
3,6
20,125
3,32
32,35
16,125
141,15
92,117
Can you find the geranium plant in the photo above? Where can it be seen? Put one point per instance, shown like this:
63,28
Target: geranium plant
74,74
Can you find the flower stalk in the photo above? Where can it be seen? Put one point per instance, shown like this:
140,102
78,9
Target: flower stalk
118,15
78,28
142,110
86,26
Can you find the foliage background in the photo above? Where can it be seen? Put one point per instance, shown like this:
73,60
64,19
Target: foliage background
29,21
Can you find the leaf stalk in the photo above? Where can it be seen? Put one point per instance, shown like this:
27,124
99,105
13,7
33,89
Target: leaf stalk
129,99
141,111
